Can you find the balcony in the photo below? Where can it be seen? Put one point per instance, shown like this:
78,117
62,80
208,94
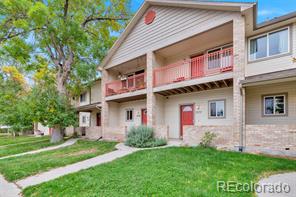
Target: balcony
197,67
130,84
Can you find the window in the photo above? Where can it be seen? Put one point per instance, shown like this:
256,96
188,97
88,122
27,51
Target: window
274,105
83,119
129,115
217,109
83,97
270,44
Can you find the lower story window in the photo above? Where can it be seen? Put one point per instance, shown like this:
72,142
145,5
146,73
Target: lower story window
217,109
274,105
129,115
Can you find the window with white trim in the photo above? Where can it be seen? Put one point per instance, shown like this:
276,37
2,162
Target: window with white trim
269,44
83,97
274,105
129,115
217,109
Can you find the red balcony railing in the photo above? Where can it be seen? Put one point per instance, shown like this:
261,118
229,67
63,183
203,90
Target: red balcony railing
204,65
136,82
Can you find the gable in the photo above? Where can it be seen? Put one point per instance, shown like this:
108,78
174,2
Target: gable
170,25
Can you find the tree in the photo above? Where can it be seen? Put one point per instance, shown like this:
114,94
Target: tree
14,105
72,35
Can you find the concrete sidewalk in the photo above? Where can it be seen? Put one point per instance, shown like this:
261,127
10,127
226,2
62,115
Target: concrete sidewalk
65,144
288,181
58,172
8,189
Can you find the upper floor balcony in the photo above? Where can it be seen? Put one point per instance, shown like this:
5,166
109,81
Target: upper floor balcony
130,83
212,63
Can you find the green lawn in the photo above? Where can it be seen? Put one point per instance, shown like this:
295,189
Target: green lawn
23,166
6,140
25,147
165,172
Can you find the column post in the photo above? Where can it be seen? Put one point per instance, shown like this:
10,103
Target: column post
105,105
151,99
239,52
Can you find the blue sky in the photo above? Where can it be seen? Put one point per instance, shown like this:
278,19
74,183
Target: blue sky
267,9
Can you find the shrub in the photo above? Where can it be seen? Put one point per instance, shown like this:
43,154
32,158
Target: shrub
142,137
207,139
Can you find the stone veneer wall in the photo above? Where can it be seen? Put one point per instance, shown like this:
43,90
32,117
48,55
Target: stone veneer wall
276,137
192,135
115,133
161,131
93,132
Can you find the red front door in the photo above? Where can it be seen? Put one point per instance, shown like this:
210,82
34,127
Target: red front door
144,116
186,117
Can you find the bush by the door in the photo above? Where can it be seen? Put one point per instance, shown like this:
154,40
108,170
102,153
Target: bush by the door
142,137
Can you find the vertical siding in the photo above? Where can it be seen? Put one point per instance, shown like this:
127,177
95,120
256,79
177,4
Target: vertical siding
254,103
274,64
172,111
171,25
96,93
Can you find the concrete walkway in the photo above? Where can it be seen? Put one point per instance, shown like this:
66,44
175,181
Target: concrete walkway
285,185
58,172
122,150
14,189
65,144
8,189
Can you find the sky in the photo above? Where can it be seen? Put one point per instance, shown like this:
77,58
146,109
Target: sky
267,9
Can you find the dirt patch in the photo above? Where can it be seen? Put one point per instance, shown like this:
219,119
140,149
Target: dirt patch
82,152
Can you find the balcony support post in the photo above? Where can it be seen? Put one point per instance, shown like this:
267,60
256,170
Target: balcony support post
239,47
151,98
105,105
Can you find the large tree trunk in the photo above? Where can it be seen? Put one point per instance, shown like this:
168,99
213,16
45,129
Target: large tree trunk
57,135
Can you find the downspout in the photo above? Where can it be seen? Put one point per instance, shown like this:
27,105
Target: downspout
242,121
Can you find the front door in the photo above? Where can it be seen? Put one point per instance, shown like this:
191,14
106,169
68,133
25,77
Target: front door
144,116
186,117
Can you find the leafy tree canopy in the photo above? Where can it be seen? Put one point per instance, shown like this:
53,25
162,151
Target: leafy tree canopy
59,43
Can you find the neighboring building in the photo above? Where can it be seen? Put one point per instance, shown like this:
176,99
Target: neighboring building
187,67
88,106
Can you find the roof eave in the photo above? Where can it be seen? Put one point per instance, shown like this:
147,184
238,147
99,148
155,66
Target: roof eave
239,7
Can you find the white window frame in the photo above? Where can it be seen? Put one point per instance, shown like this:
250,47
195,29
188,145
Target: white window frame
126,116
85,95
267,46
274,114
224,110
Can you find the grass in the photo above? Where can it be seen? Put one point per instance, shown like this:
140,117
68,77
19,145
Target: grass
165,172
23,166
8,139
25,147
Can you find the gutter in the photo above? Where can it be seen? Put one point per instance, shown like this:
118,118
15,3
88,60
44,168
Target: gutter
242,127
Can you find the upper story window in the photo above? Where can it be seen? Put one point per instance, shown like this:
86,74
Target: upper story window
83,97
269,44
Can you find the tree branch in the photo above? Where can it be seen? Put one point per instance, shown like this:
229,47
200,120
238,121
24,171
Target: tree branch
10,35
66,6
91,18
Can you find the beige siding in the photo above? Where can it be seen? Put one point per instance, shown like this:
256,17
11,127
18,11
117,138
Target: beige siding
96,93
136,106
254,103
274,64
172,109
170,25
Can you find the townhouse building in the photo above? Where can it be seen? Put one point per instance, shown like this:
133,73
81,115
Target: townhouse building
88,107
188,67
